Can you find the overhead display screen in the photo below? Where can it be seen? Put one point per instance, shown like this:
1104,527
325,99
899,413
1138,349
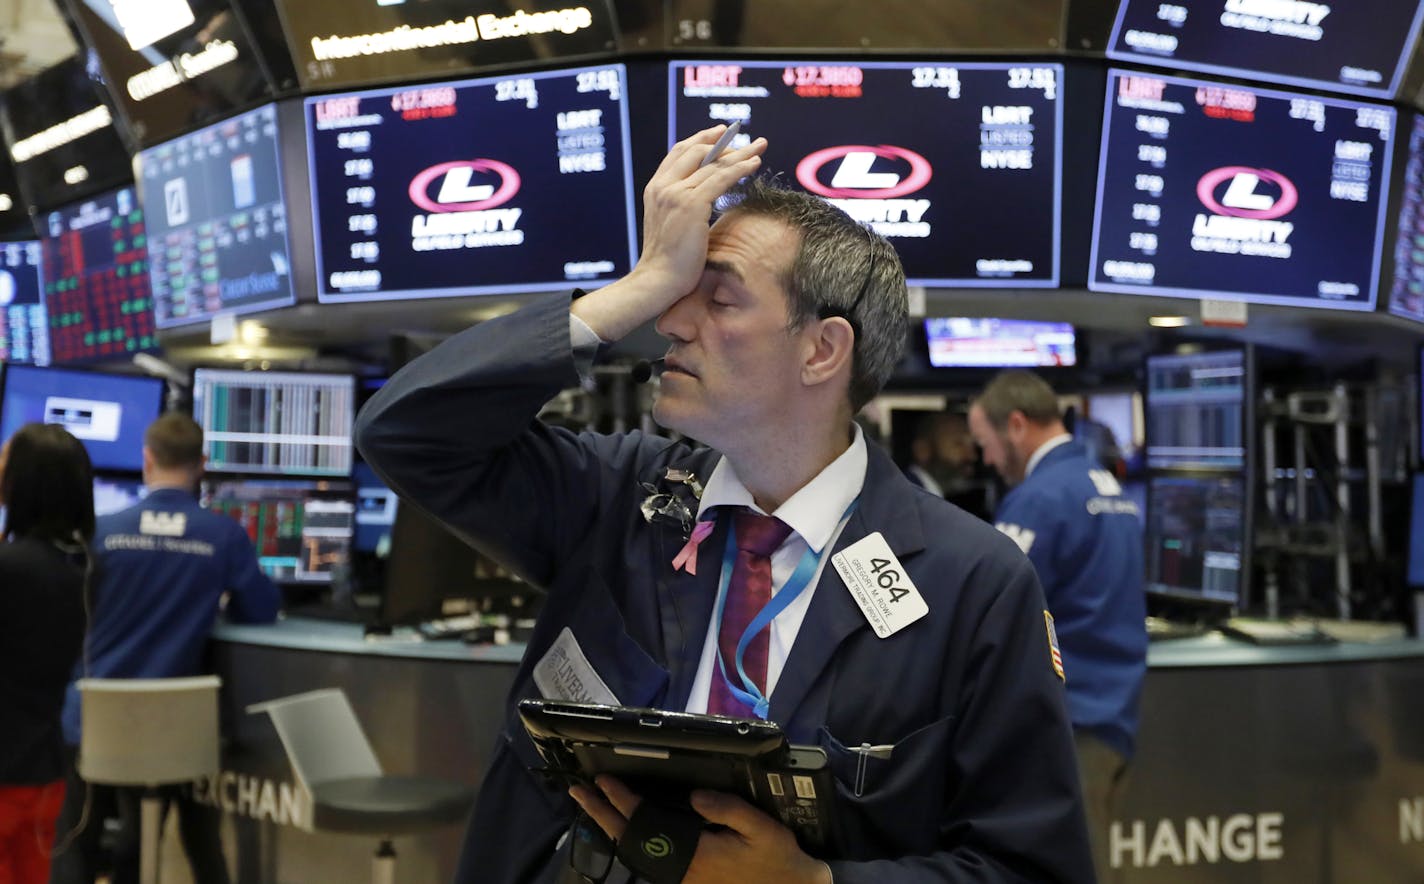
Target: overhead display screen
496,185
354,42
173,64
24,334
1215,191
1352,47
61,135
217,225
1406,296
95,280
961,341
926,154
887,24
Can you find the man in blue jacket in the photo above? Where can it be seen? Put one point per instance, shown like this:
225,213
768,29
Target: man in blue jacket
163,568
1067,513
932,692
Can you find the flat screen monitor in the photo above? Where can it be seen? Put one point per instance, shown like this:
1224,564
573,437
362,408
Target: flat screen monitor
1215,191
275,423
888,24
486,186
1198,410
375,511
97,297
339,43
217,222
24,331
956,342
1406,295
1414,570
1359,48
926,153
427,565
107,412
62,136
1197,535
112,495
1121,414
174,64
301,530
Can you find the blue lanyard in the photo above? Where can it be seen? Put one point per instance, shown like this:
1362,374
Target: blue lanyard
749,693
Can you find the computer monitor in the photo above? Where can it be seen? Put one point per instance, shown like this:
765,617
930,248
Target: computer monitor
375,511
24,331
302,530
107,412
1414,571
112,495
427,565
1199,409
960,342
1197,537
1121,413
275,423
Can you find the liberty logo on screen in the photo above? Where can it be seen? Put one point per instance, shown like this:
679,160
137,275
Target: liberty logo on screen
1245,195
1243,220
462,200
460,190
869,183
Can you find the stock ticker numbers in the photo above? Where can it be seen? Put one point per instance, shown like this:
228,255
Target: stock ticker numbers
96,281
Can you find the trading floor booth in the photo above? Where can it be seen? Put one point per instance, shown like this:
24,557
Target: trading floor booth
1290,764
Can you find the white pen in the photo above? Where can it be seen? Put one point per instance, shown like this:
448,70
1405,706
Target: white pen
722,143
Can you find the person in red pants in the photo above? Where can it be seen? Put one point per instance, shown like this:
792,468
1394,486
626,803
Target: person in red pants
47,489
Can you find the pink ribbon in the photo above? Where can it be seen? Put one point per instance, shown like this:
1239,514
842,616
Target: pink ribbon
687,558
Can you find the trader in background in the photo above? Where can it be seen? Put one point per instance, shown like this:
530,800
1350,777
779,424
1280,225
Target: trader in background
947,732
1067,513
163,568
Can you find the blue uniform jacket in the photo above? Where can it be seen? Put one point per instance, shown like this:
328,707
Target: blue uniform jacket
1085,541
981,784
161,568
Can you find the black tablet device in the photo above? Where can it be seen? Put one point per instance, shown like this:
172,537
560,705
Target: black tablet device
663,755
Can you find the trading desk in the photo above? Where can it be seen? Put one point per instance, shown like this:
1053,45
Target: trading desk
1292,764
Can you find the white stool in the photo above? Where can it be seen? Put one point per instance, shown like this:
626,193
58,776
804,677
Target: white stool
148,732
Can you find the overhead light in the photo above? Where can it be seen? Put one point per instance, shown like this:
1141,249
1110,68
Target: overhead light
251,332
1168,321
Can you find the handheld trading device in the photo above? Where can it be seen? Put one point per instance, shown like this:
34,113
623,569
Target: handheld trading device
664,755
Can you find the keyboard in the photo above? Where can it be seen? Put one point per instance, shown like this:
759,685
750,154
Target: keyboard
1275,632
1167,630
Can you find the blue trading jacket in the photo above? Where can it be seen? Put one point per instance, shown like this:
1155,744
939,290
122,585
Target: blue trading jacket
162,566
1085,540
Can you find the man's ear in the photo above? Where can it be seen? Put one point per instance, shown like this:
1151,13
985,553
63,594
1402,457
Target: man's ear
829,347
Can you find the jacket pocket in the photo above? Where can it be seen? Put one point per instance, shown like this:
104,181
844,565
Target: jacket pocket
891,797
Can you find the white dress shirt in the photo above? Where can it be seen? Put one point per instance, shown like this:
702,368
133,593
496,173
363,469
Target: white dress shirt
815,516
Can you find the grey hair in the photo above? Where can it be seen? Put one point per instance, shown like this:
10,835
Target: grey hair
837,261
1022,391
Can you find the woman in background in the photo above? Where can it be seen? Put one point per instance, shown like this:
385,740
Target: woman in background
47,489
